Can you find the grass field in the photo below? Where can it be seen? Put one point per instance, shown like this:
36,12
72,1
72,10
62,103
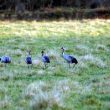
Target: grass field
85,87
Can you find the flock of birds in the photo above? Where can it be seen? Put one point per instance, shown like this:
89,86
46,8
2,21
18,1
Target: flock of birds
45,59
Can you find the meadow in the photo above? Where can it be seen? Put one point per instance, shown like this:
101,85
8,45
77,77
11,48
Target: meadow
58,87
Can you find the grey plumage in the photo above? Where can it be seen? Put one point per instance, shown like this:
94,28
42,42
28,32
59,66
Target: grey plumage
69,58
28,59
5,60
45,58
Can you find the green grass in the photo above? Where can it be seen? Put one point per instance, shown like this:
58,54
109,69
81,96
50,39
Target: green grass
87,86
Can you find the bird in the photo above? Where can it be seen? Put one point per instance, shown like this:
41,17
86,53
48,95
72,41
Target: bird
69,58
28,59
45,58
5,60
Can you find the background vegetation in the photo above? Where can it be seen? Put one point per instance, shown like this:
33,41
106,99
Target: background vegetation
54,9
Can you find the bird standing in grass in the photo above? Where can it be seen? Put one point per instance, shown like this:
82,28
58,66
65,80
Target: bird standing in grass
5,60
28,59
70,59
45,59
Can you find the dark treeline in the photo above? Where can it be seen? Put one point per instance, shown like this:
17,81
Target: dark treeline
49,8
36,4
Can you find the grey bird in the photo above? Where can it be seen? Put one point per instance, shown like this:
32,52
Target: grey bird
69,58
5,60
28,59
45,59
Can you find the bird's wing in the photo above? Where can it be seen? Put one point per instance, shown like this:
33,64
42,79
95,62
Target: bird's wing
46,58
71,57
8,58
28,59
67,57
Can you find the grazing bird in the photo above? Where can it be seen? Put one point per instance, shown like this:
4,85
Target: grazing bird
45,59
70,59
28,59
5,60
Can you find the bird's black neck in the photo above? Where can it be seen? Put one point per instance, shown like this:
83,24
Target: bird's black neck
28,55
42,53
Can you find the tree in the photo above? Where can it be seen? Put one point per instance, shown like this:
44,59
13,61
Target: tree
19,9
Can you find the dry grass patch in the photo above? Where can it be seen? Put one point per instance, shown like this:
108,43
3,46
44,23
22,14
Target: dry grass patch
44,95
41,96
94,60
83,48
102,47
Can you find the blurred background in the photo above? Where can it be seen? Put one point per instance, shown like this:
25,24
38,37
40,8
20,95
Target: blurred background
54,9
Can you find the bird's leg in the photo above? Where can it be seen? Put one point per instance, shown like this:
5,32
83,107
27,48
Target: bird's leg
31,65
28,66
69,65
45,65
74,65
